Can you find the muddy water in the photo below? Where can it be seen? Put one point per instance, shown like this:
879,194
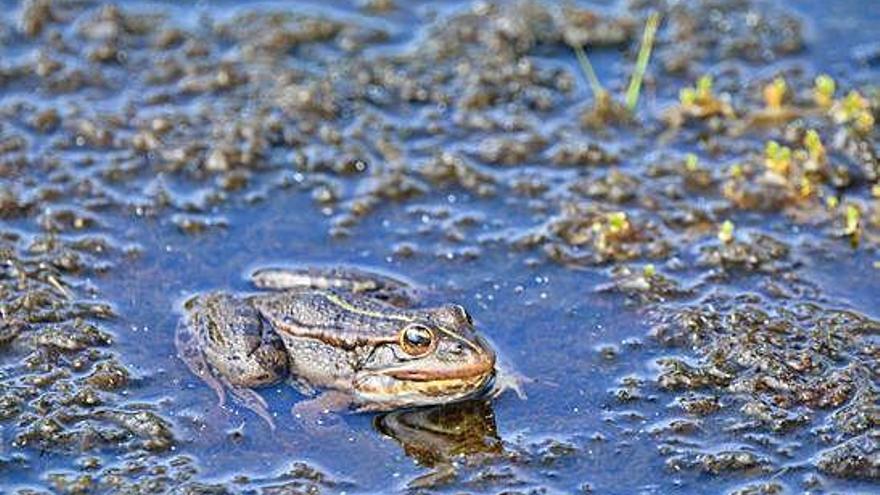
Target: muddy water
151,152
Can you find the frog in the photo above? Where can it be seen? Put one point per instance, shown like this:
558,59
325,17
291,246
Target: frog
348,338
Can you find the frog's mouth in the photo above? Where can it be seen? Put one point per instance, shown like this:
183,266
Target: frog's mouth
392,394
394,388
465,372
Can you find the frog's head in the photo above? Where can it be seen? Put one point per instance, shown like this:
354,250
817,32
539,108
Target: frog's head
434,358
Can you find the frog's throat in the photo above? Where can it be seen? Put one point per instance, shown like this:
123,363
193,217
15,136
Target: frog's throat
393,393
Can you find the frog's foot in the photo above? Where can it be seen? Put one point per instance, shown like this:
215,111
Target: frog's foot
320,415
442,474
346,279
190,353
316,410
508,379
250,399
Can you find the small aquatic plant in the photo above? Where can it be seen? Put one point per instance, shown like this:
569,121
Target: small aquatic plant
813,159
700,101
606,107
617,222
855,109
598,90
736,171
852,223
806,187
823,91
700,94
777,158
649,270
815,149
726,232
774,94
691,162
775,110
852,219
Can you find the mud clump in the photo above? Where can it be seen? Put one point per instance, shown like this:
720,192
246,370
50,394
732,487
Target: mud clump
780,366
858,457
720,462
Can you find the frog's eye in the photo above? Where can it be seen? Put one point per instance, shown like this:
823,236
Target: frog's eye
416,340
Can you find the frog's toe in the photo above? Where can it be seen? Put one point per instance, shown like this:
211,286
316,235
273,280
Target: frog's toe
255,402
442,474
507,379
317,409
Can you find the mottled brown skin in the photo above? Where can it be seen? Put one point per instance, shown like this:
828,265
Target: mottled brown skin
340,330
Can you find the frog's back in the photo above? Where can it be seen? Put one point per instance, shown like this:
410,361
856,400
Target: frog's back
327,334
333,317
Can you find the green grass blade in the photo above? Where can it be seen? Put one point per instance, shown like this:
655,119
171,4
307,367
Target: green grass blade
588,71
635,83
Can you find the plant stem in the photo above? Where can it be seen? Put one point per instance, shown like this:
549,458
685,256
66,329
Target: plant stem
589,73
635,83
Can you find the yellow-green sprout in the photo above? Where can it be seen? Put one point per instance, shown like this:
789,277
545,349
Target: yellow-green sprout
806,188
736,171
774,93
852,224
699,102
704,88
813,144
865,121
854,108
726,232
777,158
852,220
687,96
701,94
691,162
617,222
649,270
823,91
853,104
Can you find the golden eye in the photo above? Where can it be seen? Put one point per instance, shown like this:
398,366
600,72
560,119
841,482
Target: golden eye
416,340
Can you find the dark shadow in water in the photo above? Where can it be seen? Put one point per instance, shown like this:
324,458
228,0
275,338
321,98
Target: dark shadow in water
438,437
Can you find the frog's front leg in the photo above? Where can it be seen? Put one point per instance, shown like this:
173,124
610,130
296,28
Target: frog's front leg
347,279
325,403
321,415
225,341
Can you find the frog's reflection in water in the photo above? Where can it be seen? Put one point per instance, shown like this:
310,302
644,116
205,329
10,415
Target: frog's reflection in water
441,436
